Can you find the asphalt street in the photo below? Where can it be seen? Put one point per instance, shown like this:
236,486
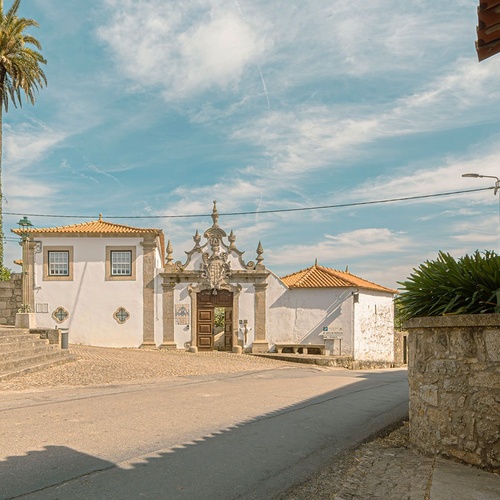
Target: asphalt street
249,436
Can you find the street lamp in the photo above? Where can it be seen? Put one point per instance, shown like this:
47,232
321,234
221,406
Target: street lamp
497,186
24,226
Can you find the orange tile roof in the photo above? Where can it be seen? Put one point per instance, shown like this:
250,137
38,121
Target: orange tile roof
325,277
95,228
92,227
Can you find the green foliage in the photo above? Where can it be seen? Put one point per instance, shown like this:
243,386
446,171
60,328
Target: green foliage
20,72
20,69
4,273
469,285
219,315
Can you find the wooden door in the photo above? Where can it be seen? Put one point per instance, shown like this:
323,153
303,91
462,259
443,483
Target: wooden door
205,328
207,302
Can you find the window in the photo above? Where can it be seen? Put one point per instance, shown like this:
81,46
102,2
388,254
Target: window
60,314
121,315
57,263
120,263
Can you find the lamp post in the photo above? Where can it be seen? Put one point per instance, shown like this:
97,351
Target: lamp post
497,186
24,225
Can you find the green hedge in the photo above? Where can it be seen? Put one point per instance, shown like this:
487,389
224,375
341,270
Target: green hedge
469,285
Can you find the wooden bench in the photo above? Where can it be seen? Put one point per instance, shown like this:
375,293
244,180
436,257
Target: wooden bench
300,348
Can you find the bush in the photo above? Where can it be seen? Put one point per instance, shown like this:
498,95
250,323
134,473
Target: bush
4,273
469,285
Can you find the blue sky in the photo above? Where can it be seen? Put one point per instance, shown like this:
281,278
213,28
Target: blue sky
158,107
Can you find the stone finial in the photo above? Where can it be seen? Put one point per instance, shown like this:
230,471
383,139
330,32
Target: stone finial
316,262
170,258
260,252
100,217
215,214
232,240
197,238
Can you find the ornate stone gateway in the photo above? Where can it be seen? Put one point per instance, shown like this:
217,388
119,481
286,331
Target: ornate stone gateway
213,276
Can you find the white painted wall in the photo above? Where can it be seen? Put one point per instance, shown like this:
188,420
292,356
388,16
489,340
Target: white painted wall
374,327
89,298
299,315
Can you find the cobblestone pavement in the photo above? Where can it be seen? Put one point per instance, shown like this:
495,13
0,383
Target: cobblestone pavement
384,468
102,365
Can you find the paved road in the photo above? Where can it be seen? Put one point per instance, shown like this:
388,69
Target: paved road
247,436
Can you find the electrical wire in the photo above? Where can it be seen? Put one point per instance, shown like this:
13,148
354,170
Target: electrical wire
259,212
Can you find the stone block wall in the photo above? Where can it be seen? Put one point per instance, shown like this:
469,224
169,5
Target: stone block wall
454,379
10,299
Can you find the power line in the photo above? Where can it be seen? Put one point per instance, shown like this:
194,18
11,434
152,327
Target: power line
259,212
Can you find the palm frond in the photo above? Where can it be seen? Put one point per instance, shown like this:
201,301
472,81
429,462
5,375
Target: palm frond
469,285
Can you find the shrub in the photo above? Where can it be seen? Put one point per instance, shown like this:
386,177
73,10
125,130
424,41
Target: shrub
469,285
4,273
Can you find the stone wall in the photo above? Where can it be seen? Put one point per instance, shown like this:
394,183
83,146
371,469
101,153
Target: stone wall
10,299
454,378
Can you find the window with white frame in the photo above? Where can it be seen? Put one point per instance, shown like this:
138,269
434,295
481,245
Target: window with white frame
57,263
121,263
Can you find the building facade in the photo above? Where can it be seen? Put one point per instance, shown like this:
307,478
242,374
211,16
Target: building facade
111,286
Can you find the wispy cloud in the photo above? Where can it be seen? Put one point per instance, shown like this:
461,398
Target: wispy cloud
27,143
354,244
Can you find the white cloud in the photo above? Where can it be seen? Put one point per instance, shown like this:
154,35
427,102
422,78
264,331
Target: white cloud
27,143
182,48
352,245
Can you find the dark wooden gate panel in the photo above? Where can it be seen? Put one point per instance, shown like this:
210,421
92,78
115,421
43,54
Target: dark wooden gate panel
228,329
205,328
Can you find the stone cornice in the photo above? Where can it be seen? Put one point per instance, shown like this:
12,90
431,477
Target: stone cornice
188,276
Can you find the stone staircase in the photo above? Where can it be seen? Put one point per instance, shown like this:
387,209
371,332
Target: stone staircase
24,352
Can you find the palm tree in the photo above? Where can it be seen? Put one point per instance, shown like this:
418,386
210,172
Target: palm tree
20,71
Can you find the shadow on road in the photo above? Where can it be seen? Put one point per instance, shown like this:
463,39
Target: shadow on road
257,458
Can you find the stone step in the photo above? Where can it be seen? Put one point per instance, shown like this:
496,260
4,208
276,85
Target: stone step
5,342
6,332
35,366
22,352
53,353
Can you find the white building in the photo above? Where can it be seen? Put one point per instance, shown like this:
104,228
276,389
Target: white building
108,284
98,279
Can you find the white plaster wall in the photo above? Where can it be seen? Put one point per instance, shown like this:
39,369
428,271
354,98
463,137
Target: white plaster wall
89,299
299,315
158,321
374,327
247,311
182,333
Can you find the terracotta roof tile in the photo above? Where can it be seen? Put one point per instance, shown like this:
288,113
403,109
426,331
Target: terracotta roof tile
97,228
92,227
325,277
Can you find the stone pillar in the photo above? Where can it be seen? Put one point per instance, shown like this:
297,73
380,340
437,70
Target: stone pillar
148,293
30,277
236,316
193,293
260,343
168,317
